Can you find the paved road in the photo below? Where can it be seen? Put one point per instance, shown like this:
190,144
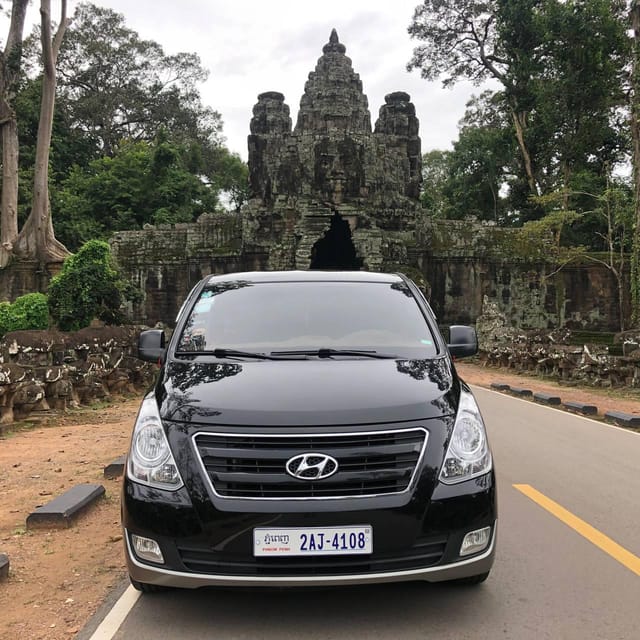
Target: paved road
549,580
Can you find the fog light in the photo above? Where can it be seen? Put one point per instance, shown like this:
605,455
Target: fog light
147,549
475,541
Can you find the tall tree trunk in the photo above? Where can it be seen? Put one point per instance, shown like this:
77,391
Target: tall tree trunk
37,239
635,135
566,188
520,124
10,60
9,201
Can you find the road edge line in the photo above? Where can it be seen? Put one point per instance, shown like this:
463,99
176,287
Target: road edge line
597,538
120,610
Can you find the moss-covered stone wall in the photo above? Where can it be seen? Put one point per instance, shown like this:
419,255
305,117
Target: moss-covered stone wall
457,266
466,262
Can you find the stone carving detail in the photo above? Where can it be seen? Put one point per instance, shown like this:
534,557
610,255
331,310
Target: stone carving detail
333,99
492,327
269,125
547,355
41,370
331,163
398,121
331,192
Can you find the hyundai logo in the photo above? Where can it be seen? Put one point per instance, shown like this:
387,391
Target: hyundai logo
311,466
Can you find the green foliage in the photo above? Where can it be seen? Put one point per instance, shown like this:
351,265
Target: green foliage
471,179
122,87
142,184
613,208
132,142
477,165
550,226
89,286
230,176
30,311
435,174
561,66
634,108
579,90
70,146
452,32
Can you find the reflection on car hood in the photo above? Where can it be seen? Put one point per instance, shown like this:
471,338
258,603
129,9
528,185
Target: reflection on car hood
308,392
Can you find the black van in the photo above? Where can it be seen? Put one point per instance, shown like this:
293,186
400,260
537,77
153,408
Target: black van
308,428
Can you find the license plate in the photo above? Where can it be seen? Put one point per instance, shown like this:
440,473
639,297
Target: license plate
312,541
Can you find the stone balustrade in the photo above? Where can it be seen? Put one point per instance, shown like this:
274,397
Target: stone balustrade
43,370
556,353
590,365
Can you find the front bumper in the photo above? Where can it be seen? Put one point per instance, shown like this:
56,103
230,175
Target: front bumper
203,546
148,574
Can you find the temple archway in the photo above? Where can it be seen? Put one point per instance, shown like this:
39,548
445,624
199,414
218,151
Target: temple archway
335,250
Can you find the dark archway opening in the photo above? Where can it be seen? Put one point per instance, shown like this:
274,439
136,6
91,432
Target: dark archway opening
335,249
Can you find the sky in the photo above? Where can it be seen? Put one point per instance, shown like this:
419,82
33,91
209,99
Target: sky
252,46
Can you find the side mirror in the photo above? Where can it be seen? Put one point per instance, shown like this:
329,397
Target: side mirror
151,345
463,341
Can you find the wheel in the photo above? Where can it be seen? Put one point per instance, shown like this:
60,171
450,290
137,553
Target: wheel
472,580
144,587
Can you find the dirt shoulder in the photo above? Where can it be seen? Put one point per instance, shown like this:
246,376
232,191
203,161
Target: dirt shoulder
59,578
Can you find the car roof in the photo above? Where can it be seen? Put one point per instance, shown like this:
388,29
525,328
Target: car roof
306,276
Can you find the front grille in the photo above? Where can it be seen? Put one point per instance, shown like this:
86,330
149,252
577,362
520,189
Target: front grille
254,466
425,552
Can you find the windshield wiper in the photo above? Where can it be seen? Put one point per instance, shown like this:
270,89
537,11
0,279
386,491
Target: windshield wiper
228,353
328,353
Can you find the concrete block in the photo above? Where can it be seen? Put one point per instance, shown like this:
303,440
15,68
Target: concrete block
500,386
60,512
115,469
521,393
623,419
546,398
581,407
4,566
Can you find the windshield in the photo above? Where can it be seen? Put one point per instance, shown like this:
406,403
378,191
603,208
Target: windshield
289,316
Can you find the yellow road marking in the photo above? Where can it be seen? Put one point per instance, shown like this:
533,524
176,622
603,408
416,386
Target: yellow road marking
624,557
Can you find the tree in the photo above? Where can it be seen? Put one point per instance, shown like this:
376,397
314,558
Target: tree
144,183
634,99
89,286
474,178
435,174
10,62
579,91
118,86
560,65
614,207
229,175
479,40
482,162
477,175
37,239
30,311
69,147
116,90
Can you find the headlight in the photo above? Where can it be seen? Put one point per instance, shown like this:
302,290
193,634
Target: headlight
468,453
150,460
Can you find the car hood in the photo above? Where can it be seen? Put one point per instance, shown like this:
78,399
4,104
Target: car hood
307,392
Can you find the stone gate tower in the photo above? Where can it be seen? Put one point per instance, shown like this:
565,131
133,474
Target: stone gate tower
335,193
332,192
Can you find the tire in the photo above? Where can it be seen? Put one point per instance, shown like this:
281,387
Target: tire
472,580
144,587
